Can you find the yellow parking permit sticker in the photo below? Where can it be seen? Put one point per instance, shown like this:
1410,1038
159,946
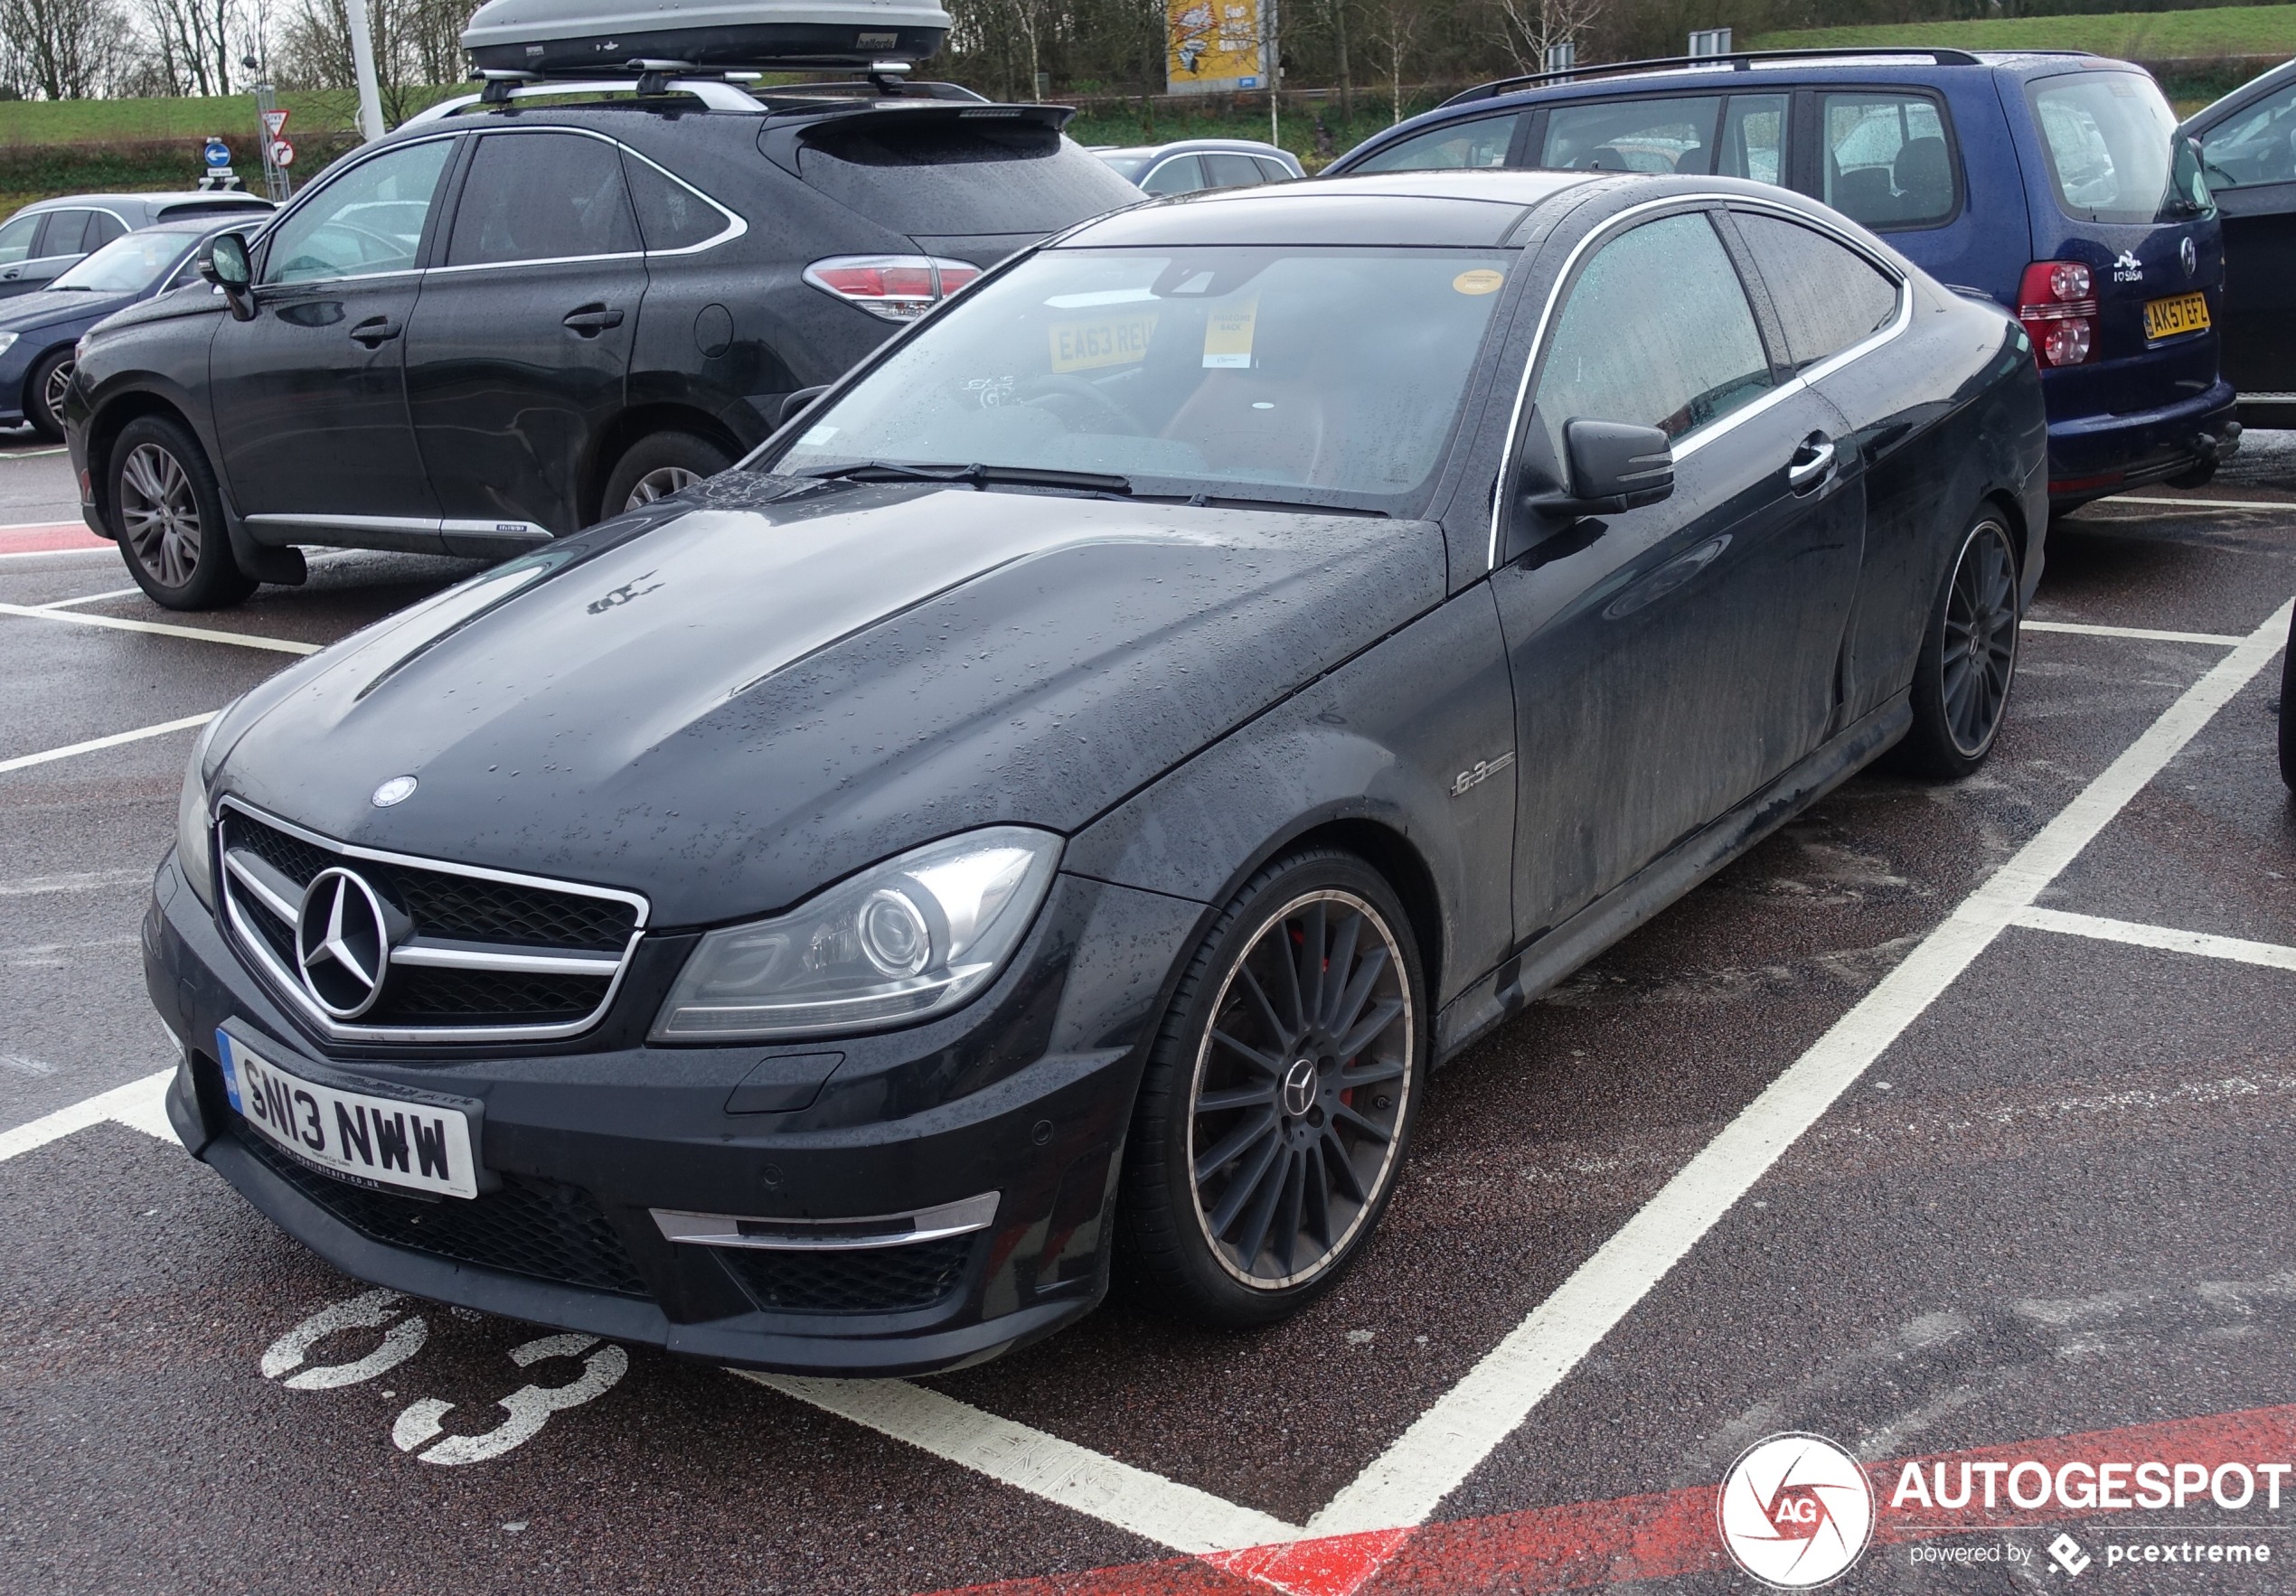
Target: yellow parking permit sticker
1103,340
1481,280
1227,335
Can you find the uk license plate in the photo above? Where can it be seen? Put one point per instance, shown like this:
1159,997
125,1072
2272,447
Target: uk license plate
2181,313
370,1141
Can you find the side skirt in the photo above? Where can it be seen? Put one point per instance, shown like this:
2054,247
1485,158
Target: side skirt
1541,964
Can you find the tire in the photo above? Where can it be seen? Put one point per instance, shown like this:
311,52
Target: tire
2288,709
657,466
1968,659
1301,1093
168,516
44,394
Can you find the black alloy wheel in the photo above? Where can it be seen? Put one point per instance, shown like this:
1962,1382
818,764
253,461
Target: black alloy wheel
44,394
168,516
1968,658
1278,1102
657,466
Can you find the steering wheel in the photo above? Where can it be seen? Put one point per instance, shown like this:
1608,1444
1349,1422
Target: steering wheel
1059,386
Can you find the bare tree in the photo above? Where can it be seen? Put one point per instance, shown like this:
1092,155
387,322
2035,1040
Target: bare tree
415,42
63,48
1529,28
196,42
1399,23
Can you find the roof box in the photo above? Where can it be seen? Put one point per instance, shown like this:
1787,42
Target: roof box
557,36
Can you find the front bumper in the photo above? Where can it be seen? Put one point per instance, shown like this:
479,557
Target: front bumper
1026,1093
2094,456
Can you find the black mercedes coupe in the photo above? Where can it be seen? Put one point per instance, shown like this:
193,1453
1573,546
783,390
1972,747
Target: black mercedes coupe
1038,819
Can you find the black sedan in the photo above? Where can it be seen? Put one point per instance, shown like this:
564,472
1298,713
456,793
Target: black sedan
1041,818
2248,153
38,331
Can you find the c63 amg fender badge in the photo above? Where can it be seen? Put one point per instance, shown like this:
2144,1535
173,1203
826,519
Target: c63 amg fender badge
1475,774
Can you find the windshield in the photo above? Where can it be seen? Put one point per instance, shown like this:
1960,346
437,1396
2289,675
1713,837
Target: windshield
2113,150
128,265
1305,375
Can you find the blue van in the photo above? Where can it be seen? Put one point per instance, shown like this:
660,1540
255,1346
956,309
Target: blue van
2054,183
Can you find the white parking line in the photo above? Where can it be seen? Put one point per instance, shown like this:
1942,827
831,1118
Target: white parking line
58,553
21,760
197,633
65,604
2137,633
2279,505
1148,1505
1449,1441
141,1105
2272,954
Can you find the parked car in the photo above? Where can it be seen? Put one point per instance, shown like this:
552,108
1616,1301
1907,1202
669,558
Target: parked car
41,240
37,332
1014,830
2051,183
507,320
2248,153
1188,165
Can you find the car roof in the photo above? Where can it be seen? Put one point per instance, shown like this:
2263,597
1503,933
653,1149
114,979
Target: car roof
150,204
1456,209
1250,146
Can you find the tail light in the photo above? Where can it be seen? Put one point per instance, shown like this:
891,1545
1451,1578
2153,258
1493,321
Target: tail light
896,287
2057,305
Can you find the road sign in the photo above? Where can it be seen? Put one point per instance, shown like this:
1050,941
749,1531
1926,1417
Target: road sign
282,153
218,154
275,124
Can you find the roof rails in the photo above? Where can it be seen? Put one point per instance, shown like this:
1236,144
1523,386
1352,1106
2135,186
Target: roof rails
718,89
1739,61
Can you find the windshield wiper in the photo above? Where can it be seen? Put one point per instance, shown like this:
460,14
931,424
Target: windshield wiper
978,476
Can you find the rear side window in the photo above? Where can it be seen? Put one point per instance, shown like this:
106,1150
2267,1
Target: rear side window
2257,146
1483,142
1234,170
939,175
1828,297
1754,137
1632,135
66,229
1888,162
541,196
2113,150
103,229
1182,174
671,216
1656,332
1272,171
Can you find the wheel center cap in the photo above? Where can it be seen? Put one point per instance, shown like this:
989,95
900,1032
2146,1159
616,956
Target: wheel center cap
1299,1086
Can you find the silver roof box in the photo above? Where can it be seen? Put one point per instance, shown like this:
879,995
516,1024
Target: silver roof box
553,37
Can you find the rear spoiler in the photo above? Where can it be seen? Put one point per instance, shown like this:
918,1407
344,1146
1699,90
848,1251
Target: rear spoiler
782,137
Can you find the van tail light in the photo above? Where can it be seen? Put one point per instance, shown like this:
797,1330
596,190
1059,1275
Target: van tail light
2057,305
896,287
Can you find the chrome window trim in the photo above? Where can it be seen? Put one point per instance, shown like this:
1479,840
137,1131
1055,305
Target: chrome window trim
257,953
1698,439
736,226
830,1235
274,218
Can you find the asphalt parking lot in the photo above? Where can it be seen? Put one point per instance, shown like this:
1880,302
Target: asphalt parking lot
1952,1124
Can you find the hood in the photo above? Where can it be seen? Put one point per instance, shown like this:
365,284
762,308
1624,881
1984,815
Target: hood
34,312
730,709
193,299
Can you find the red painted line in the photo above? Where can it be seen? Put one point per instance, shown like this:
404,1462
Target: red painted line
1585,1546
40,540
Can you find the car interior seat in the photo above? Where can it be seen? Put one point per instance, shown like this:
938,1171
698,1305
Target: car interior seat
1267,420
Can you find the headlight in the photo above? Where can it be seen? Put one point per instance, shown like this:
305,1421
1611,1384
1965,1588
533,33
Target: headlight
7,341
194,832
912,937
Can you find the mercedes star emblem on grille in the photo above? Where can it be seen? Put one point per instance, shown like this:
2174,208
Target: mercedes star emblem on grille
342,943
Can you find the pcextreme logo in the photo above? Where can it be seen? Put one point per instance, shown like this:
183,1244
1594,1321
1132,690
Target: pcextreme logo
1796,1511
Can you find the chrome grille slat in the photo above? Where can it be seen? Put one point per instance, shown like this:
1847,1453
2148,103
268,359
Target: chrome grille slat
494,956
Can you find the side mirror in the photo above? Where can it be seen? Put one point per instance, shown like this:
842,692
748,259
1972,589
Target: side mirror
1611,466
798,403
223,262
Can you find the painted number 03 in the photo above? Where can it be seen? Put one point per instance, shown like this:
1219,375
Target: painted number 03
527,1409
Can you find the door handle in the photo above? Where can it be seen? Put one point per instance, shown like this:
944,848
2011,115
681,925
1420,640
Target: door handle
375,331
1812,462
593,319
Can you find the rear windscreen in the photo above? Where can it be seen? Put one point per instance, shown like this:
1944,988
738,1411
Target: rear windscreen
945,176
2113,152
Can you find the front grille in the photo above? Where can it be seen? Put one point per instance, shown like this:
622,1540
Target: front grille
532,1227
465,919
869,1279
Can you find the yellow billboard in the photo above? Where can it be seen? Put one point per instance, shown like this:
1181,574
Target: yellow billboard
1214,47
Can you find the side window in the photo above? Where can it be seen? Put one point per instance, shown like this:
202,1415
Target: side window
1483,142
1828,297
1886,161
16,238
1182,174
1677,360
103,227
1754,133
67,231
370,220
1230,171
2256,146
541,196
671,216
1632,135
1272,170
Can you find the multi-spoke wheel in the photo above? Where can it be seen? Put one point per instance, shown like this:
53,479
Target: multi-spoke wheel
657,466
1968,657
44,394
169,518
659,483
1279,1098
